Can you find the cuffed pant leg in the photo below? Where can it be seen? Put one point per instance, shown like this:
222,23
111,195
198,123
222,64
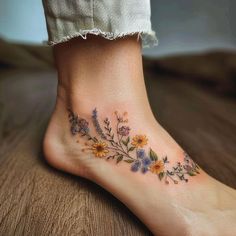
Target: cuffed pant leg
110,19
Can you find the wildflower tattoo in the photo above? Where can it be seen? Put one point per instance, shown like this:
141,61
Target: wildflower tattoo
117,144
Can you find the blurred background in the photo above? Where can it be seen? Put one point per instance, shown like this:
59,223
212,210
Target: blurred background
181,26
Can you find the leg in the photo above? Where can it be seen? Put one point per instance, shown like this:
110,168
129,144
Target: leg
107,75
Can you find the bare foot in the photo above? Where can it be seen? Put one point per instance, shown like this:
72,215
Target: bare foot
103,129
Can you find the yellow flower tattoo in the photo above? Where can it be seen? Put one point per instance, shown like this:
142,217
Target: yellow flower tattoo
139,141
100,149
157,167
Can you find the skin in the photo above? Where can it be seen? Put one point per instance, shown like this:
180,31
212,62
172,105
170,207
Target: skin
109,75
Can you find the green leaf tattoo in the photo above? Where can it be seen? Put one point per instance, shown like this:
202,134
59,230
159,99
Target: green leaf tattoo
153,155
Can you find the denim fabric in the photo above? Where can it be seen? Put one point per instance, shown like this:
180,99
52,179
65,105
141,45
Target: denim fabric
110,19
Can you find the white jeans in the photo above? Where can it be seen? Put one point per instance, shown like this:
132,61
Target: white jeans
110,19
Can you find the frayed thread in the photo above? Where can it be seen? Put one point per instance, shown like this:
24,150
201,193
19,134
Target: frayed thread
148,38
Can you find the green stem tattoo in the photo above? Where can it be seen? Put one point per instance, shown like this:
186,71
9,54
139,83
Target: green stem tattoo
120,146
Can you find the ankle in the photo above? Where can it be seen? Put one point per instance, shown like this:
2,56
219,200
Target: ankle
103,71
93,56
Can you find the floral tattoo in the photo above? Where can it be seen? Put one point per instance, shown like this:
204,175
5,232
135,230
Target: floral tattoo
117,144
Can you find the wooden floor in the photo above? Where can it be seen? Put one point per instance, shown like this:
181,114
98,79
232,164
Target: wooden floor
35,199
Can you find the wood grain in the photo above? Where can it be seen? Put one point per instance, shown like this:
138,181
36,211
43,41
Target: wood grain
35,199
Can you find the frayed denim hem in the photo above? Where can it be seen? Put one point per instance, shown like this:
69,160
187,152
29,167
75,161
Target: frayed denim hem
149,38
